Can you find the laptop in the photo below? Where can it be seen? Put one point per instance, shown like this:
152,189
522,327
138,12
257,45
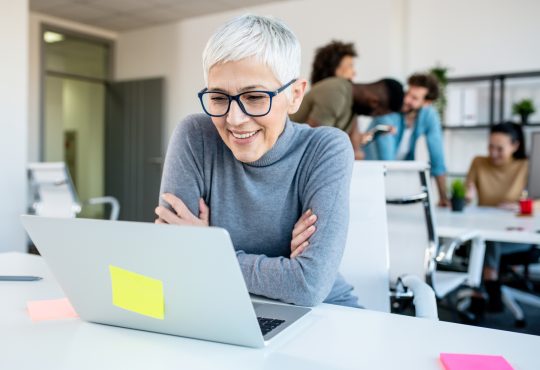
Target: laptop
177,280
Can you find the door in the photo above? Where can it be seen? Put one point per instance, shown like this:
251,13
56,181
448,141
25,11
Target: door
75,71
133,146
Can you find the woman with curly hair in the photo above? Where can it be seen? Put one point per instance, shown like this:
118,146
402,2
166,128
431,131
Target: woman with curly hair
334,60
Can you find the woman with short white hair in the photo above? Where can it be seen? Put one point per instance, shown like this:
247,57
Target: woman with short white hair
279,188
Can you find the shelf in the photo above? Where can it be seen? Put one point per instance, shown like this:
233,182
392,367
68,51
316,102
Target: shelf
498,95
495,76
463,127
482,126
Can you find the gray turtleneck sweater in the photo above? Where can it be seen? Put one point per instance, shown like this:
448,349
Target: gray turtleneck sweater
258,203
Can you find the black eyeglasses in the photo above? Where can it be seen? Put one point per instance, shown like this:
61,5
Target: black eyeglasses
254,103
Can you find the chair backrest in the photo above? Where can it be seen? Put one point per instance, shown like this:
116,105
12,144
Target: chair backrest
365,260
52,191
412,235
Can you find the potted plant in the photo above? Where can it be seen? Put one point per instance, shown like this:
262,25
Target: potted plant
441,73
524,108
458,195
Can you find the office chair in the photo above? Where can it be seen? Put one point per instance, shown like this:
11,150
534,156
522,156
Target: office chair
511,297
53,194
365,259
415,248
414,243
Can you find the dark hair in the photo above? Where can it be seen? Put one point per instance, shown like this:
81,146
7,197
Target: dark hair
394,89
327,59
516,135
428,81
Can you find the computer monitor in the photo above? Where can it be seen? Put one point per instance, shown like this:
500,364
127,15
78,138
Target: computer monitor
534,167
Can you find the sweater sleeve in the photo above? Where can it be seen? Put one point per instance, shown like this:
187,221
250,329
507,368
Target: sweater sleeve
183,168
308,279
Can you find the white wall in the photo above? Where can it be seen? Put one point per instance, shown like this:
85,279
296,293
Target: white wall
13,121
174,51
472,37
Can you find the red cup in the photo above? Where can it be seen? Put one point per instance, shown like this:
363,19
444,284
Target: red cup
526,206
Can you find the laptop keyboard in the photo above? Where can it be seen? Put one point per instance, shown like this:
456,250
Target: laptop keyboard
267,325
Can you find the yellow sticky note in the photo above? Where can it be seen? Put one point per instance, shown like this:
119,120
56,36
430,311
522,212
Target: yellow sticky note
137,293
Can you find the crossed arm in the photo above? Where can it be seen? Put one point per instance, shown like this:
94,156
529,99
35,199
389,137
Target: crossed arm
181,215
306,275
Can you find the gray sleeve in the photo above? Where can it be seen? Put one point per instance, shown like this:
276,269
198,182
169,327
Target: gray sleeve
183,173
308,279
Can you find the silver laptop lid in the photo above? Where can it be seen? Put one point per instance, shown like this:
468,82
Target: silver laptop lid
96,262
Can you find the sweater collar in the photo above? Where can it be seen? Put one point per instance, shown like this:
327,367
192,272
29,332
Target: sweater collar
279,149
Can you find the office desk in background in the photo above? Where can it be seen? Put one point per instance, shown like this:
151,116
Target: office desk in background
491,224
331,337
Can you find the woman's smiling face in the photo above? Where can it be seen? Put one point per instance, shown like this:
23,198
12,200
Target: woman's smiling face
249,138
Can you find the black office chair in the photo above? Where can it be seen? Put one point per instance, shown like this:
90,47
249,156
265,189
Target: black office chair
522,289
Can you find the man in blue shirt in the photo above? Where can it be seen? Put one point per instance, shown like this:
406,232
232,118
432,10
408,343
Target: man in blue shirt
418,117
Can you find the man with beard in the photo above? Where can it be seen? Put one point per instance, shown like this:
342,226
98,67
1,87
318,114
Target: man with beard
336,102
417,117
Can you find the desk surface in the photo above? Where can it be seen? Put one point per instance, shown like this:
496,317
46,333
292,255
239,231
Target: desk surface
331,337
492,224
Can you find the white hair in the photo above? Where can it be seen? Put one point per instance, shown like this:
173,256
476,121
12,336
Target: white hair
266,39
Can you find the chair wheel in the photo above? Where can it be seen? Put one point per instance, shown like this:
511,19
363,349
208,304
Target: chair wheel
520,323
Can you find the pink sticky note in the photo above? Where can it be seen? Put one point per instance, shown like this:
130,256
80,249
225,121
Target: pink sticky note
54,309
454,361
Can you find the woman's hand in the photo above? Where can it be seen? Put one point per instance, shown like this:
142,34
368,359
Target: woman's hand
470,192
509,206
181,215
303,229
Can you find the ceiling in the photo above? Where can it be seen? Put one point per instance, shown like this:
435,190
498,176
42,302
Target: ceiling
124,15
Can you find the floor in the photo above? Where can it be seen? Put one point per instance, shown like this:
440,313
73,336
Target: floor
502,320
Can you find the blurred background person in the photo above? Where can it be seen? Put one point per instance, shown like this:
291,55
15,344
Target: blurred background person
336,102
335,59
417,118
333,103
498,180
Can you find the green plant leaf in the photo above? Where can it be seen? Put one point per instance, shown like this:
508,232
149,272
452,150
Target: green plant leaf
525,106
458,189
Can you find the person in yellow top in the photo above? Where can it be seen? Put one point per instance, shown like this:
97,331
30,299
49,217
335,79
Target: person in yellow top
499,180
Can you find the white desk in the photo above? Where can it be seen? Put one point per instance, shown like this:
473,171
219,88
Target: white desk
491,223
331,337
